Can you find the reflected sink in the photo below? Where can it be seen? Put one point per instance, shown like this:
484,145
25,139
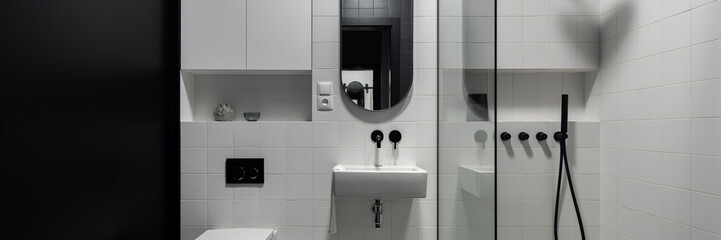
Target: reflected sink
477,180
397,181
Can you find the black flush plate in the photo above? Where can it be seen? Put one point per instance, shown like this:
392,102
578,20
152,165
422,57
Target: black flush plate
244,170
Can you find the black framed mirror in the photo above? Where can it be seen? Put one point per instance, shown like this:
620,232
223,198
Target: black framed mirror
376,52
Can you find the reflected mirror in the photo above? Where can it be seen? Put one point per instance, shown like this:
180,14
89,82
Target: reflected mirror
376,52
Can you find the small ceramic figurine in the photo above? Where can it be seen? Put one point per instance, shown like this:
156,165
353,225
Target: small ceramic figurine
223,112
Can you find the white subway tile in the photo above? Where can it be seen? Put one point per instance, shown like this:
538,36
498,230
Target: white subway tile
220,213
510,8
705,59
299,213
705,211
477,29
245,213
299,161
322,186
536,55
677,170
703,235
563,55
299,135
673,7
325,134
326,8
299,186
218,189
193,160
536,29
425,29
648,38
193,213
705,98
705,136
677,66
536,7
510,56
677,101
274,187
192,186
676,205
706,174
510,30
272,135
326,29
246,191
275,159
217,157
220,135
704,24
677,31
245,135
326,55
192,134
271,213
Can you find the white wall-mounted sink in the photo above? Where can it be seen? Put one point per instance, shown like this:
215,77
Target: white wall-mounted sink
396,181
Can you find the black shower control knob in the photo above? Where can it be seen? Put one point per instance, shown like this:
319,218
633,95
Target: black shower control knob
560,136
523,136
541,136
505,136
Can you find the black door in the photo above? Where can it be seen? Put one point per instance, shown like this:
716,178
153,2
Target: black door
89,95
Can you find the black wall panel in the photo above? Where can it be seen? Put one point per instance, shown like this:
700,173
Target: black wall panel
89,132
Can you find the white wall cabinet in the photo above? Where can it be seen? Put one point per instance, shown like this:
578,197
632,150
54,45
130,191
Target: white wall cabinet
279,34
246,34
213,34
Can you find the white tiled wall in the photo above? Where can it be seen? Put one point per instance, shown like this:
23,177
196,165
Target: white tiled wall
527,176
548,34
530,96
298,160
660,118
300,154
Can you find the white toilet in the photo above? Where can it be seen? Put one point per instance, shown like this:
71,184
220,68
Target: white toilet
238,234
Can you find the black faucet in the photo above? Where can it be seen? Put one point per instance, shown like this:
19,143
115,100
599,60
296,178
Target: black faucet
377,137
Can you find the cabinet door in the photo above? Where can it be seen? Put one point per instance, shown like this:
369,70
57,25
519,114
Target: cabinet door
213,34
279,34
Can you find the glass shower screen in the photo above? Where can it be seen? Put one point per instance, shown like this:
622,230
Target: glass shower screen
466,119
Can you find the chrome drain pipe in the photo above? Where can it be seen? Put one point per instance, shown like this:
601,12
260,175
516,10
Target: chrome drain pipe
378,211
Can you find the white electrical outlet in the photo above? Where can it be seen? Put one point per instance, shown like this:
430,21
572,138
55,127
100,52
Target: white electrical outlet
325,103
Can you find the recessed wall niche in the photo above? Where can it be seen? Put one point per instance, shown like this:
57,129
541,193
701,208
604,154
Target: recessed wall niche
281,97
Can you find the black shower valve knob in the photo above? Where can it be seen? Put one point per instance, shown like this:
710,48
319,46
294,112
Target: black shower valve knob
523,136
505,136
560,136
541,136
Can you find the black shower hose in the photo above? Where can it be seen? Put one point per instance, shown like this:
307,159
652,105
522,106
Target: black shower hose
564,158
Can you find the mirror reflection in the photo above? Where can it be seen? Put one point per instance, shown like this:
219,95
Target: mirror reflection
377,53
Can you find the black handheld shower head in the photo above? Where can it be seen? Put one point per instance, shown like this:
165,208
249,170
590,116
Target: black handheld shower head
563,134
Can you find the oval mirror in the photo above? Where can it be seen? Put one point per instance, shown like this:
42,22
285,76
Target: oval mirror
376,52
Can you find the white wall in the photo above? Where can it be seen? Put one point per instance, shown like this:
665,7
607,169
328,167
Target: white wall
658,92
527,178
532,96
548,34
300,154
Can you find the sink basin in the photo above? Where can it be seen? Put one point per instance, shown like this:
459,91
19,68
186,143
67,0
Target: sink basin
397,181
477,180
